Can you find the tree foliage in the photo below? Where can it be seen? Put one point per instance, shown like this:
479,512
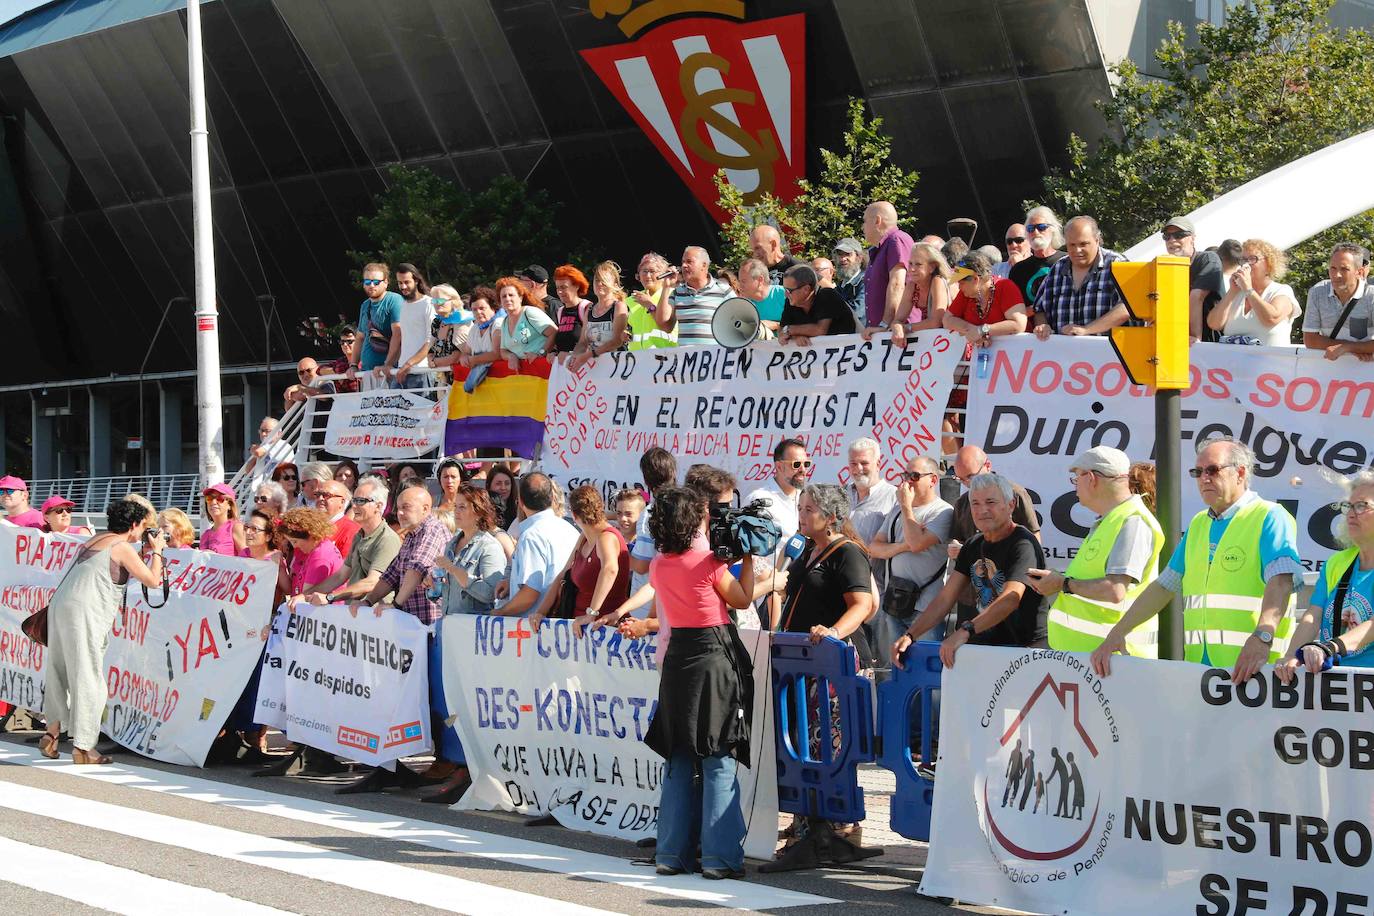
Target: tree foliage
1273,83
458,236
832,207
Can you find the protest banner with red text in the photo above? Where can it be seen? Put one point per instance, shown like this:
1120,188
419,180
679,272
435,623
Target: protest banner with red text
1163,788
385,425
31,566
730,408
1041,403
553,723
352,686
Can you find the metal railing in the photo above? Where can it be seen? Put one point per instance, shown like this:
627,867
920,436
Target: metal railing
93,494
311,439
288,428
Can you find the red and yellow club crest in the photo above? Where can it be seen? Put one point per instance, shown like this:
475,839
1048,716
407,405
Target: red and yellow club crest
711,93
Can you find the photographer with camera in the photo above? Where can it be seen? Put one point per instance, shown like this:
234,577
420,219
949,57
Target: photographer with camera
829,593
706,680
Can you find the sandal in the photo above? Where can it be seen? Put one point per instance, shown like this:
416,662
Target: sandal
89,757
47,746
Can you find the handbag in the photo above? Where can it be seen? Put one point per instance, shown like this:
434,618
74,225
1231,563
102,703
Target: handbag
567,598
900,596
35,626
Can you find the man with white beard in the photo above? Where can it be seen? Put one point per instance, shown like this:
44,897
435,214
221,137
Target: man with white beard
1046,235
851,260
870,497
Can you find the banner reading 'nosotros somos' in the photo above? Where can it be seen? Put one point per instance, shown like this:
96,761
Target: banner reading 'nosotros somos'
731,407
353,686
1044,402
1164,788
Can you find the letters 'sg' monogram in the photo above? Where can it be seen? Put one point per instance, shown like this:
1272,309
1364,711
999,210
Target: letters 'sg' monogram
759,152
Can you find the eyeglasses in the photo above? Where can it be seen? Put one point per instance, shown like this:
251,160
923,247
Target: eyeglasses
1349,508
254,529
914,476
1038,227
1212,470
8,492
216,498
790,289
1251,259
291,477
320,496
1175,235
373,282
1015,239
437,300
360,501
262,499
67,510
804,464
302,373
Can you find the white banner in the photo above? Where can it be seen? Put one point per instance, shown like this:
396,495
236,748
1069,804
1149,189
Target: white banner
554,724
385,425
174,672
731,407
1044,402
1161,789
352,686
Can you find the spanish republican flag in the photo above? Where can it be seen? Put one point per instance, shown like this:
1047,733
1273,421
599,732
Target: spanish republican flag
506,411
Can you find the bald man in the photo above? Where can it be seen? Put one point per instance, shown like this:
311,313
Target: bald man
825,272
425,539
885,279
766,243
970,461
308,386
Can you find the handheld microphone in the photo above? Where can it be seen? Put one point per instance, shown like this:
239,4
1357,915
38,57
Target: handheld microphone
794,546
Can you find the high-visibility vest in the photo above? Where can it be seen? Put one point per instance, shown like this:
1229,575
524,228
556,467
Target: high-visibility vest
645,332
1222,595
1333,570
1079,624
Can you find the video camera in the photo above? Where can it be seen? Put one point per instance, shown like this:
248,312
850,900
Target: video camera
734,533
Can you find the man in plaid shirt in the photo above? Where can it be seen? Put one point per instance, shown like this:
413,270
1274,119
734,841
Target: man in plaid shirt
425,541
1079,296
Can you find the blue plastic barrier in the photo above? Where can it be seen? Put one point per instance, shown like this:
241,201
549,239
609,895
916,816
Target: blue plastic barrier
919,683
446,743
824,783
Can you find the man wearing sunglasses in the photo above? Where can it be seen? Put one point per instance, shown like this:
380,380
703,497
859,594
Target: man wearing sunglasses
1114,564
14,502
377,345
373,548
1206,279
1018,249
791,468
1235,567
910,545
1044,241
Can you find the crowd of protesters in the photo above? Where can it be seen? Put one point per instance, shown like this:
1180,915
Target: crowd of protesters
896,555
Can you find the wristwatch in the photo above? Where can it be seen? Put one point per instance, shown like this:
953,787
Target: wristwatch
1065,587
967,627
986,329
883,325
1265,636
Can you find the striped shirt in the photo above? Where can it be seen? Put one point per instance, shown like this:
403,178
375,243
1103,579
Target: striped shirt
694,309
1063,305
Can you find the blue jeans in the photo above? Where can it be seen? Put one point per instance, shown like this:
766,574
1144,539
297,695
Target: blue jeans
709,809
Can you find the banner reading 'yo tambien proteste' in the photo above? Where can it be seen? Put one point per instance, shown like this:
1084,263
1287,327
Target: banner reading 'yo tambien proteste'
1042,403
730,408
1163,788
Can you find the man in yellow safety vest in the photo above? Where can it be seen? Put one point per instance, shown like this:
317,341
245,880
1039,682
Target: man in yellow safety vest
1114,564
1235,567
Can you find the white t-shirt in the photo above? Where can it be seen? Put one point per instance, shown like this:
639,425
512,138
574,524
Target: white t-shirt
782,508
1248,323
415,320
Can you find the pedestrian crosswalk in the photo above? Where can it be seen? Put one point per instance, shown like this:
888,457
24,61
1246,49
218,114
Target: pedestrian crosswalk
266,834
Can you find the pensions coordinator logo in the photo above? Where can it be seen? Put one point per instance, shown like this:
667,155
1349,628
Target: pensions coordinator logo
1050,737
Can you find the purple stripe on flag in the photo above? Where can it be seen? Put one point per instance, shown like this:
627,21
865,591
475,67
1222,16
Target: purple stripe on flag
522,435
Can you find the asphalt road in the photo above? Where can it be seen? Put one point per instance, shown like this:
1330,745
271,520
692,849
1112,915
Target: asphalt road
142,837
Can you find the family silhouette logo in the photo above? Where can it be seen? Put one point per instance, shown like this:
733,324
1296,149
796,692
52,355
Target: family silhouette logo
1041,792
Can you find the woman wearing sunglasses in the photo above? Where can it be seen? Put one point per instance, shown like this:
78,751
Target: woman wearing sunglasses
314,557
289,476
57,516
1336,628
225,534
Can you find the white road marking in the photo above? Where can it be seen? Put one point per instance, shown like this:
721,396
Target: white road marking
397,882
742,895
109,887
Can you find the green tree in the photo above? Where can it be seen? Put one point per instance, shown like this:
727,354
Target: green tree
832,207
1273,83
458,236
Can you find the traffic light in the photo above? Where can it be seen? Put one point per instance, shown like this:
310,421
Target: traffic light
1155,291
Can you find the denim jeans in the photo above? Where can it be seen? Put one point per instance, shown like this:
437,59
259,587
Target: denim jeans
709,809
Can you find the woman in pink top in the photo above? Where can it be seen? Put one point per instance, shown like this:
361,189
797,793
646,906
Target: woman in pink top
225,534
314,557
705,683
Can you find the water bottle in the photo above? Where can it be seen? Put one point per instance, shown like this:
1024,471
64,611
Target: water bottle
982,362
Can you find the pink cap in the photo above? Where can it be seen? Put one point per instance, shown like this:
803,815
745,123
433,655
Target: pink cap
55,502
10,482
223,489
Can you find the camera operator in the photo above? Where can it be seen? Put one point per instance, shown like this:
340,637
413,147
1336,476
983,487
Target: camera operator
829,593
706,680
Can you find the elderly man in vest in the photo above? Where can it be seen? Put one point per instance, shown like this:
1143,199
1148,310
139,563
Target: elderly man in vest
1115,563
1235,567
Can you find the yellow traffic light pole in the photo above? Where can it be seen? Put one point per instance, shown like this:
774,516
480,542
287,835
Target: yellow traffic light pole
1156,356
